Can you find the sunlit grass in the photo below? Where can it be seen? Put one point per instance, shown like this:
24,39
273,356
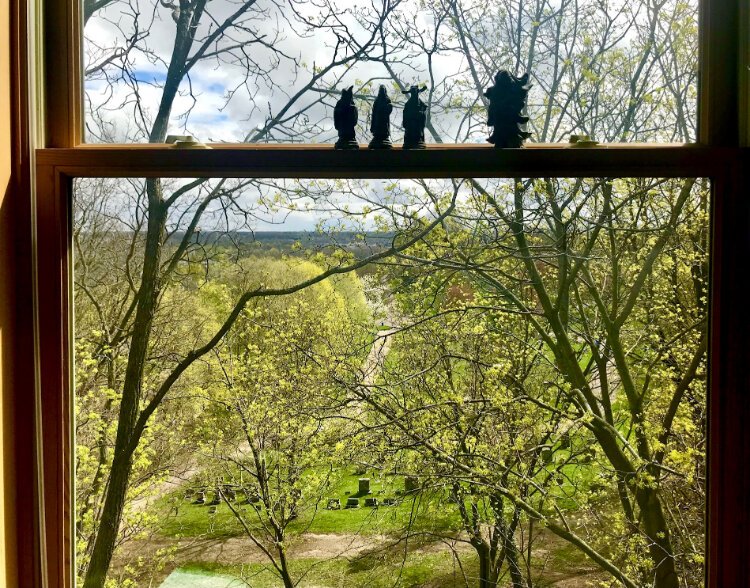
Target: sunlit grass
427,510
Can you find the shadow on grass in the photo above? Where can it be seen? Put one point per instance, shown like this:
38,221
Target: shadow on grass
392,552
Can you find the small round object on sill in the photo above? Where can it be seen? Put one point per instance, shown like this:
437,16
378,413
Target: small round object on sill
581,141
185,142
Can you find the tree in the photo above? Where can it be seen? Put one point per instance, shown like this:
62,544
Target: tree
611,68
200,33
451,391
273,430
609,278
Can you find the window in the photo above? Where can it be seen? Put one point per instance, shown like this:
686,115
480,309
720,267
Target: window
57,167
619,72
431,390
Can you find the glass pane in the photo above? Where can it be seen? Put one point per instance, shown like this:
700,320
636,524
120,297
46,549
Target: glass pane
499,383
262,71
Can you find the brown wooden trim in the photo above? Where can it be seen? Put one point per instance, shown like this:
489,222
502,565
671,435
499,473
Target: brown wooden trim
719,62
728,531
322,161
728,563
744,74
63,76
55,359
364,146
27,503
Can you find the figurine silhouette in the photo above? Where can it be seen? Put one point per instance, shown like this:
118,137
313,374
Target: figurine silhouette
415,118
507,101
381,123
345,119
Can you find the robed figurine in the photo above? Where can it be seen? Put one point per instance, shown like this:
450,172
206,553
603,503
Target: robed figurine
415,118
381,121
507,102
345,119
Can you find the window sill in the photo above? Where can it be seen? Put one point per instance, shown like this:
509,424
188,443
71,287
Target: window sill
439,160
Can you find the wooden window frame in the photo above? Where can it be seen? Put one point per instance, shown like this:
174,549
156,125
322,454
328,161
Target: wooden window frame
717,155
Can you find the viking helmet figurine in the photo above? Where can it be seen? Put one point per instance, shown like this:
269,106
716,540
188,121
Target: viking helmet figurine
415,118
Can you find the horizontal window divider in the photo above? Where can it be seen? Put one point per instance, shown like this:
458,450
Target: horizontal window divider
436,161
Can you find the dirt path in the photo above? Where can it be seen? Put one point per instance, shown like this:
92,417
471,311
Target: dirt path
239,550
325,546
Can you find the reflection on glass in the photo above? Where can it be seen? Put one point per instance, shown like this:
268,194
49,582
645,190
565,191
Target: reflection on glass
265,71
497,383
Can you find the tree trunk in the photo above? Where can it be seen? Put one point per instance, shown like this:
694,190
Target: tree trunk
651,513
109,525
148,295
511,556
660,544
488,566
286,576
487,577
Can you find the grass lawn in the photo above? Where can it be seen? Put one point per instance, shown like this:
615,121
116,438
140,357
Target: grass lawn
423,511
384,571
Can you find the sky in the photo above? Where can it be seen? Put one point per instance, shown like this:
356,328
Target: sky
221,102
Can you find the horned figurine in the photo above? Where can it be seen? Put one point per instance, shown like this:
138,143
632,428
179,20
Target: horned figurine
415,118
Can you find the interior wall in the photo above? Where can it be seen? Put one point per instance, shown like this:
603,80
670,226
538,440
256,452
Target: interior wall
8,559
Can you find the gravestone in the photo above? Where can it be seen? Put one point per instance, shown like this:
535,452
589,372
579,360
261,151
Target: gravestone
251,497
588,455
212,510
390,501
411,484
229,492
364,486
200,497
597,486
352,503
334,504
216,499
371,502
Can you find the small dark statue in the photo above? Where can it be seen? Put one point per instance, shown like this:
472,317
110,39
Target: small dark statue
415,118
381,123
507,100
345,119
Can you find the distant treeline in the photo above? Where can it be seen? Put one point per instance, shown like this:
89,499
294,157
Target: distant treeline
289,240
358,243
